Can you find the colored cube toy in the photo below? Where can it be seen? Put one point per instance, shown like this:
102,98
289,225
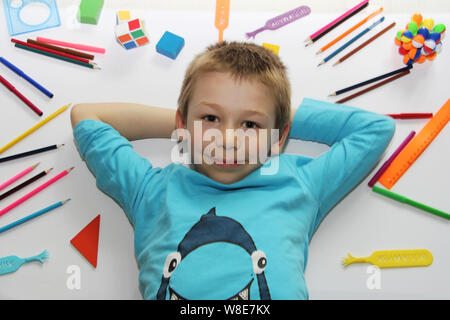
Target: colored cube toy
89,11
131,34
170,45
123,16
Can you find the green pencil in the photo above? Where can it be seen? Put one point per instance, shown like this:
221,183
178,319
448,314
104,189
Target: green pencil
413,203
48,54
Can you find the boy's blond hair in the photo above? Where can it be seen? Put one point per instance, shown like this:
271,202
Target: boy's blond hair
243,61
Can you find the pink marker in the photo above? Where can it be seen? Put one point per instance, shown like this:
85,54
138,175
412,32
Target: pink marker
32,193
77,46
391,158
335,21
18,176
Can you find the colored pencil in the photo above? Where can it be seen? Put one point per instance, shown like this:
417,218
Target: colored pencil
348,55
18,176
33,215
76,46
11,88
30,153
351,41
357,94
336,22
48,54
58,53
410,202
35,191
391,158
356,26
34,128
26,77
361,84
411,115
69,51
24,184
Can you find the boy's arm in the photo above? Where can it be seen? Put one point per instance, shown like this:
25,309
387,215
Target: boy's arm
133,121
357,138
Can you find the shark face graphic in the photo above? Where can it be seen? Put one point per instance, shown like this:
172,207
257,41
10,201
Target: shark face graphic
211,229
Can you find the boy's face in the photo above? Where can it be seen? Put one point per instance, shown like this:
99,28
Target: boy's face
219,102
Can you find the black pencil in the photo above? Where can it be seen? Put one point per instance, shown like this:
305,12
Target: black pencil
361,84
320,35
24,184
30,153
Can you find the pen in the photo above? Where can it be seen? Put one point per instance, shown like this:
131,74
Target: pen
26,77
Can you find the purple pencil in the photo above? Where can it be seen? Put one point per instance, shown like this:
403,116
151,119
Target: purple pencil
391,158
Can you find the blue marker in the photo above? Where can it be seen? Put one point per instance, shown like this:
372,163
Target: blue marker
351,41
23,75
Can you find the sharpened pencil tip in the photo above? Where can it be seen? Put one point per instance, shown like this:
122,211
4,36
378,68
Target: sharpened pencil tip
35,165
336,63
321,63
332,94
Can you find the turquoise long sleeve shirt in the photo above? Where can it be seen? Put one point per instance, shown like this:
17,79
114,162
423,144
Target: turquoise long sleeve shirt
196,238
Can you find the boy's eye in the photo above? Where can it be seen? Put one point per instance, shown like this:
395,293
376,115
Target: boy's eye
250,124
210,118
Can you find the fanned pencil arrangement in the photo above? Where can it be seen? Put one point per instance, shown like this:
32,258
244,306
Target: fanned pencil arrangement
54,51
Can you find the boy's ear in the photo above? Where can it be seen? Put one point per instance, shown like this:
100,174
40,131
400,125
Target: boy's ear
281,140
180,124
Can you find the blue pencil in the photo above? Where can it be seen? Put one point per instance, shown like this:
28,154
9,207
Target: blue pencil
351,41
26,77
33,215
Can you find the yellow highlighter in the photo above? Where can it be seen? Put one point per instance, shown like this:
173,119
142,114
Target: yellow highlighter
394,258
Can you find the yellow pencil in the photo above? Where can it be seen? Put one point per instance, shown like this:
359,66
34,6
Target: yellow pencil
34,128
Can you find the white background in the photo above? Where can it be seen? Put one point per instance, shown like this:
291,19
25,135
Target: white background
361,223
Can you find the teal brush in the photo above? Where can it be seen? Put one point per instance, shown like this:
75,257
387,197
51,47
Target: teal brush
12,263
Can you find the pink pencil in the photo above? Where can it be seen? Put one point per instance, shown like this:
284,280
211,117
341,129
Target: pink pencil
32,193
18,176
391,158
77,46
315,34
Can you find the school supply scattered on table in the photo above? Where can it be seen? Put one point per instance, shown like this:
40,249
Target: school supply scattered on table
34,128
222,15
53,52
281,20
409,116
351,41
33,215
57,56
131,34
382,83
336,22
391,159
356,26
361,84
65,50
358,48
272,47
24,184
26,77
86,241
415,148
76,46
170,45
16,25
89,11
394,258
410,202
30,153
421,40
13,263
11,88
18,176
35,191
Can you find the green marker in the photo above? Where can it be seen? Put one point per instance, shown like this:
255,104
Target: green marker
413,203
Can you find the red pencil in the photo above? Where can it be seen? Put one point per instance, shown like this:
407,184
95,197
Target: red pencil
59,53
20,96
411,115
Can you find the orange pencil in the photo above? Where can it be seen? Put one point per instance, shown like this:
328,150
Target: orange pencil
356,26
